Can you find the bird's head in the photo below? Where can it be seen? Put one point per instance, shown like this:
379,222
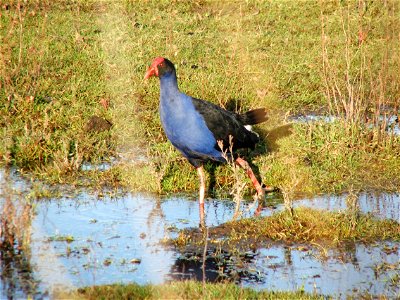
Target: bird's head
160,67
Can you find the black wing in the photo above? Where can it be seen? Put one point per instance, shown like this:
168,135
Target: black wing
223,123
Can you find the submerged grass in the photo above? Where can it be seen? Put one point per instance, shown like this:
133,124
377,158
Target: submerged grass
61,63
183,290
304,225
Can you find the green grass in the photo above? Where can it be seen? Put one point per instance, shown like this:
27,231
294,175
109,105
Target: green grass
49,94
305,225
182,290
332,158
60,60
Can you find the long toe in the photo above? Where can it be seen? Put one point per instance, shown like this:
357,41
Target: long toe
268,188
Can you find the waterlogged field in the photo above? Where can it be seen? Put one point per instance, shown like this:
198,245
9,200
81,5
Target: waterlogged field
83,239
92,189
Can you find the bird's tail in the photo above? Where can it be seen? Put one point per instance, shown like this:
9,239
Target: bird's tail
254,116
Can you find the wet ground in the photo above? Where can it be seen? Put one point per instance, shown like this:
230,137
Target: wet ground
85,239
388,120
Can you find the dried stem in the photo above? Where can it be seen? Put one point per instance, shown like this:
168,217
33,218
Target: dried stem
239,185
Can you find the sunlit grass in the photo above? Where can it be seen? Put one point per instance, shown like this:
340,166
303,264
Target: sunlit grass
61,61
303,225
182,290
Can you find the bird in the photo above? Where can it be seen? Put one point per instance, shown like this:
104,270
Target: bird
203,131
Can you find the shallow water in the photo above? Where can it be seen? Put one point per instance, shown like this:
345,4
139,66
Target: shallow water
341,274
88,239
389,121
382,205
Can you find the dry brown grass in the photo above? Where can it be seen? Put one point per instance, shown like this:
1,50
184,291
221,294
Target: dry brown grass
15,220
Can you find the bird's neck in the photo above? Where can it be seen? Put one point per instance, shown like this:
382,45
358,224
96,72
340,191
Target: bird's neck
169,84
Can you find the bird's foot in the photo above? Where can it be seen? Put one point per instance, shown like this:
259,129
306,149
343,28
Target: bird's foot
202,225
268,188
260,198
260,195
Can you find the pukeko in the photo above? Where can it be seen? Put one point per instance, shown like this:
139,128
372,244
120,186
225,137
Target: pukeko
195,126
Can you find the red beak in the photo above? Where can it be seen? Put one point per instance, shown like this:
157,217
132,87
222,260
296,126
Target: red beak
151,71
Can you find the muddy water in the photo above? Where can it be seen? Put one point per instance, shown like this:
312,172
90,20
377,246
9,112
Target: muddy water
85,239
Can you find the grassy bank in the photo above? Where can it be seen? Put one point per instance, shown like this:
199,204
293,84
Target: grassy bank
183,290
302,226
64,62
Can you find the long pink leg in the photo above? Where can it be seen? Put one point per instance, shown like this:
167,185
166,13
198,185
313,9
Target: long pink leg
245,165
260,191
202,190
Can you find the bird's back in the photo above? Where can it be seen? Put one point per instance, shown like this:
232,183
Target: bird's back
223,123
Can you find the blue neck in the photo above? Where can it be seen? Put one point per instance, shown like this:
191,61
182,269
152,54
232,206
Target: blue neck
169,84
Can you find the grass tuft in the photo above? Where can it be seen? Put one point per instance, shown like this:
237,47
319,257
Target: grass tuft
302,225
183,290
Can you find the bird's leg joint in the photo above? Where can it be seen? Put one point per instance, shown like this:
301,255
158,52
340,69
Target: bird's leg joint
245,165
